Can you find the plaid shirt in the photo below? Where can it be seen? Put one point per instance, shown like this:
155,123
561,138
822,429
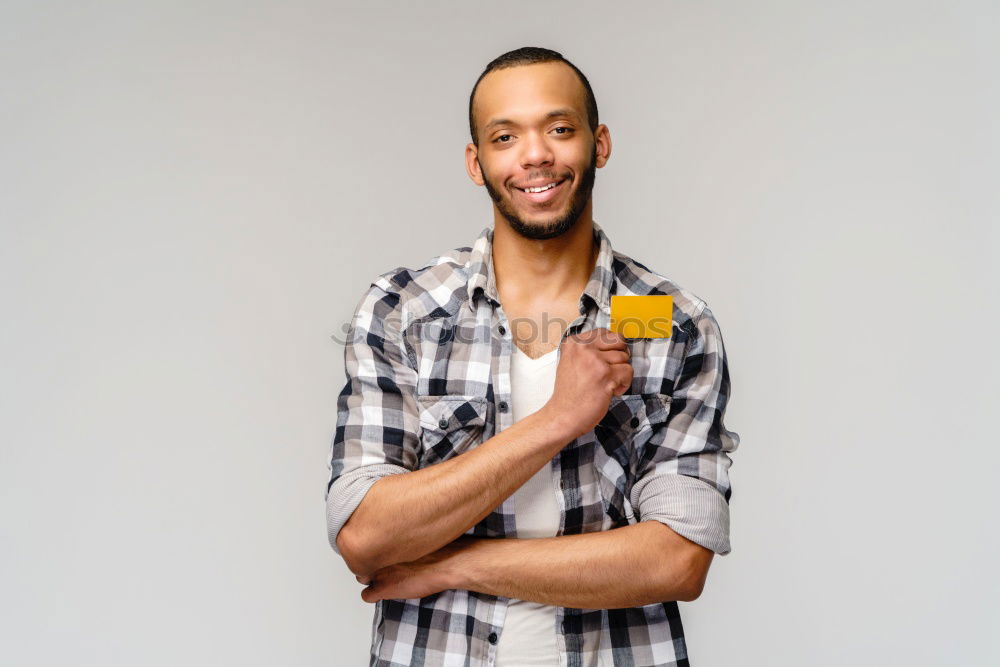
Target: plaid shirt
428,376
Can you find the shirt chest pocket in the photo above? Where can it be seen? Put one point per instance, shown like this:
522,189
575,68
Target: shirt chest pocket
449,425
619,437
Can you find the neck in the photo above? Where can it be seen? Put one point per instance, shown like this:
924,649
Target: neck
531,270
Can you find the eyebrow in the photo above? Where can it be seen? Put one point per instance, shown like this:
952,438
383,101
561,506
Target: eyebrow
555,113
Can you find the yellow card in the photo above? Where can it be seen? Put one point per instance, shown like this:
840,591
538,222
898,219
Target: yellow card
642,316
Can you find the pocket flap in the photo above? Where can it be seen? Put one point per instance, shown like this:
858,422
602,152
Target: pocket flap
657,407
444,413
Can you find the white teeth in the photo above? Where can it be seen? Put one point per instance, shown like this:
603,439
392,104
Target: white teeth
541,189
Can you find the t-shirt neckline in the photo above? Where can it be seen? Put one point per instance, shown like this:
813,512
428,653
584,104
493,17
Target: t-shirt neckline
538,361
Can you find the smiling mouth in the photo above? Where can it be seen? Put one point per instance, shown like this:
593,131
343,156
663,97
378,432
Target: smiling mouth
541,194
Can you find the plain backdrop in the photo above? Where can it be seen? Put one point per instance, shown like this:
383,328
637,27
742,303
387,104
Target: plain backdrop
194,195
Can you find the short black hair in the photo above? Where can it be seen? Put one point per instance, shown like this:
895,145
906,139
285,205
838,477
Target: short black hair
530,55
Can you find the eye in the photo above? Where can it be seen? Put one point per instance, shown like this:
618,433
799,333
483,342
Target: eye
563,127
497,140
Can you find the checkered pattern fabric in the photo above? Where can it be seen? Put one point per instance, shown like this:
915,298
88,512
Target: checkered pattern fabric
428,361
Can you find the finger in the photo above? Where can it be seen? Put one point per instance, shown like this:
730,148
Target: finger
616,356
605,339
602,337
622,377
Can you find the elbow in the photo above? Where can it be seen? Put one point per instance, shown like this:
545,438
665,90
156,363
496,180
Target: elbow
691,590
353,552
683,572
683,576
350,537
694,573
683,588
346,550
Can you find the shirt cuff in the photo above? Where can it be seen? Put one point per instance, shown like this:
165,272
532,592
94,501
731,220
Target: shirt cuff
692,508
347,493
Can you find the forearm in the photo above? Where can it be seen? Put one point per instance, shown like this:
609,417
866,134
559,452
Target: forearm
406,516
627,567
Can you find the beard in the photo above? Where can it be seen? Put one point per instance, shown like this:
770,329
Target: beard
553,228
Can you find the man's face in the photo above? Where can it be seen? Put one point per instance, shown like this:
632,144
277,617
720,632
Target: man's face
533,132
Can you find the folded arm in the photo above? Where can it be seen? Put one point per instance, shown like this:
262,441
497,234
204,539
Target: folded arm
381,509
627,567
409,515
630,566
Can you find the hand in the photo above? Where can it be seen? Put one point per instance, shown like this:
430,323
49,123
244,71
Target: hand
593,366
425,576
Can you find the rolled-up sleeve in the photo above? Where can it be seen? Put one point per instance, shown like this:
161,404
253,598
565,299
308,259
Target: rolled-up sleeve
683,480
377,416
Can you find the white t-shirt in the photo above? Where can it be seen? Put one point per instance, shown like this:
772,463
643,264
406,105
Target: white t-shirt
529,633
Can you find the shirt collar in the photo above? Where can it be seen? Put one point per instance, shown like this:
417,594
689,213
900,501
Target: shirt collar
482,279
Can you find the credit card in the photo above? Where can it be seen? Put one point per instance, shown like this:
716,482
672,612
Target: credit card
642,316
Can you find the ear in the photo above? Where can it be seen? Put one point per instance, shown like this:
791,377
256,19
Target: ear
472,164
602,141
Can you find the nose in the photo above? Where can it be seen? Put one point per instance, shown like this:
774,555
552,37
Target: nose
535,150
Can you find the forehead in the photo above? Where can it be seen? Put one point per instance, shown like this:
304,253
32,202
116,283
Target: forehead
527,92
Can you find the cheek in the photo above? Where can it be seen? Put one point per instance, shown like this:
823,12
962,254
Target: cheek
495,182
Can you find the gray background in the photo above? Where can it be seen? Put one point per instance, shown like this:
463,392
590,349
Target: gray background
194,196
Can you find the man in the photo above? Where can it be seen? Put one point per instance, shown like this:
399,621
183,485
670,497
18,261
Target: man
514,483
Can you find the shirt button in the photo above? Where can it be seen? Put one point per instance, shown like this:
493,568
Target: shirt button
492,638
634,422
502,330
443,423
503,406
